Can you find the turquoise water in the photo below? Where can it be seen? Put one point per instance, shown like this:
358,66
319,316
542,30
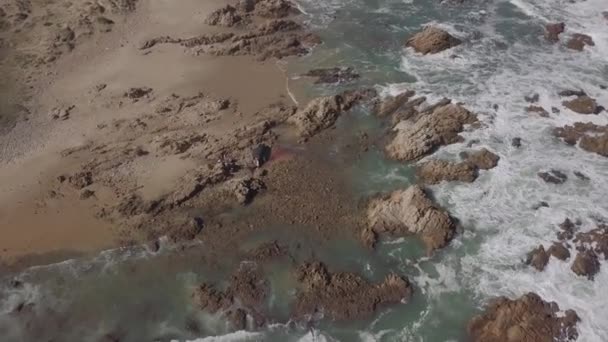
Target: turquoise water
146,297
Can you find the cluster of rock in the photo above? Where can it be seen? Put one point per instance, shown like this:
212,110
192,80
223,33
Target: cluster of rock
407,212
526,319
420,133
580,103
589,136
436,170
276,36
432,40
588,245
339,296
577,41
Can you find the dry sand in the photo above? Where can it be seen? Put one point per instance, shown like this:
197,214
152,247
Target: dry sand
37,214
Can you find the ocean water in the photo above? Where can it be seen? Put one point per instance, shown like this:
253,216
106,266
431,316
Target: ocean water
146,296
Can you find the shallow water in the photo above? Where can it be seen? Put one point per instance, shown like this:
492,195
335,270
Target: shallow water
503,59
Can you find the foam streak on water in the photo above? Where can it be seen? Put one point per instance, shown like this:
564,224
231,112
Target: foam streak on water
499,67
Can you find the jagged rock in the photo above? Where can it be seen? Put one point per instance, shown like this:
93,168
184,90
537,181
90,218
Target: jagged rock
516,142
435,127
436,171
410,211
323,112
246,189
432,40
591,137
579,41
389,105
275,8
596,240
345,296
482,159
526,319
369,238
586,264
538,110
227,16
538,258
87,194
559,251
572,92
333,75
553,176
582,105
237,319
553,30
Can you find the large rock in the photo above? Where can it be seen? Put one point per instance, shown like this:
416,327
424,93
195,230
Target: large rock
323,112
578,41
344,296
538,258
583,105
437,171
553,30
432,40
482,159
390,104
411,211
596,240
591,137
431,129
526,319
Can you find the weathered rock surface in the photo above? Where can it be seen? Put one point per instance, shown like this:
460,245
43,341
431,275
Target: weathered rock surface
553,30
432,40
526,319
437,126
333,75
411,211
559,251
323,112
390,104
583,105
482,159
227,16
578,41
345,296
553,176
591,137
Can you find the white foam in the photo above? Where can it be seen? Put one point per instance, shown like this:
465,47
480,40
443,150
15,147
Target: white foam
237,336
499,203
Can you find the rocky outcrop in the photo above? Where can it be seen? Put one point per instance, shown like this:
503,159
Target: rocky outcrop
538,258
590,137
583,104
411,211
553,30
245,296
526,319
323,112
432,40
391,104
482,159
225,16
553,176
578,41
425,132
586,263
333,75
344,296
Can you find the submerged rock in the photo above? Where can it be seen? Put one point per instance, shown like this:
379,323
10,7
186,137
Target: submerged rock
516,142
432,40
433,128
411,211
553,30
345,296
526,319
333,75
553,176
579,41
538,110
